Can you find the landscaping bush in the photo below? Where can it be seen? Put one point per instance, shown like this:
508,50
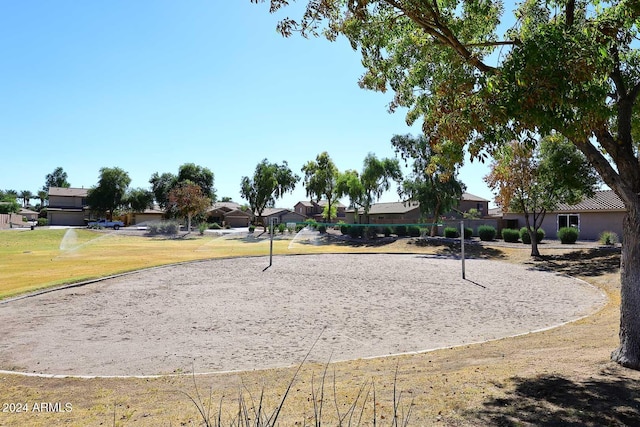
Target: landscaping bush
524,235
568,235
344,229
252,228
370,232
42,222
608,238
486,233
214,226
300,227
170,228
414,231
312,223
387,231
451,232
355,231
510,235
281,228
468,232
401,230
322,228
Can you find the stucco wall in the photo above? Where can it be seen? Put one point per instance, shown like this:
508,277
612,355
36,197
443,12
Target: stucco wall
591,223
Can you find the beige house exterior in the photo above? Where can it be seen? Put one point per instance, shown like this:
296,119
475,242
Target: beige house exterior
281,216
67,206
603,212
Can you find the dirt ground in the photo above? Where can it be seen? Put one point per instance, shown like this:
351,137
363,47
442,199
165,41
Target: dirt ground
233,315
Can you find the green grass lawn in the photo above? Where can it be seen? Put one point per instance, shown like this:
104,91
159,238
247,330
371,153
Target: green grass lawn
41,258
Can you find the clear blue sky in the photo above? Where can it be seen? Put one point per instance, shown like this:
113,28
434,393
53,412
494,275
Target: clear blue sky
150,85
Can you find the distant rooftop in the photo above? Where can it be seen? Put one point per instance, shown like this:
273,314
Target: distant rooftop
68,192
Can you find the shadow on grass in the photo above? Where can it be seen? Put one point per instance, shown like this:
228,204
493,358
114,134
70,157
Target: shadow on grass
592,262
556,401
452,248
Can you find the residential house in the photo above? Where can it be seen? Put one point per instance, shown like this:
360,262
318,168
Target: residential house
386,213
67,206
228,213
153,214
281,215
409,212
602,212
311,209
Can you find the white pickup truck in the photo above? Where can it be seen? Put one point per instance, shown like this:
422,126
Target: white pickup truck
105,224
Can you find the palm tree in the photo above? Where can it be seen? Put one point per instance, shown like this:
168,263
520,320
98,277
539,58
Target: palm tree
26,195
42,195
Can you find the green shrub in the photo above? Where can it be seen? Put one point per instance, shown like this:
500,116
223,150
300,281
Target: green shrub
370,232
344,229
401,230
252,228
322,228
387,231
281,228
214,226
312,223
568,235
510,235
300,227
355,231
414,231
524,235
42,222
451,232
468,232
608,238
202,227
486,233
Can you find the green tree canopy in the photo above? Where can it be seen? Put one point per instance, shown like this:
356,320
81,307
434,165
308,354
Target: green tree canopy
270,181
109,194
366,188
533,181
199,175
432,184
160,186
320,181
57,178
569,66
139,199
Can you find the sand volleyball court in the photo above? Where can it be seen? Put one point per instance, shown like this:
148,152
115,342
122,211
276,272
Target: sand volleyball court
226,315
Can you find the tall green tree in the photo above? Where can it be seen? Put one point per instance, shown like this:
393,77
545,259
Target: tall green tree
188,199
366,188
320,181
139,199
432,184
270,181
161,185
109,194
565,65
57,178
533,181
199,175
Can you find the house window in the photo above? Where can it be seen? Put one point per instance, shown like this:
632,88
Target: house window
568,220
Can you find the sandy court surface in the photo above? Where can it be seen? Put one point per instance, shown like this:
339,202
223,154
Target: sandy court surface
223,315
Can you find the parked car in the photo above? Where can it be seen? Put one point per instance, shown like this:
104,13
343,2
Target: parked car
103,223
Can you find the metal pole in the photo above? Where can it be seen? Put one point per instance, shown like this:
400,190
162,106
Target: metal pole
271,227
462,246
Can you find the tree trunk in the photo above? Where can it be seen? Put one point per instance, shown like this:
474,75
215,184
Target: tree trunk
189,223
532,235
436,215
628,353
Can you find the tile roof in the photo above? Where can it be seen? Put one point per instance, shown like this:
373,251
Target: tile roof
604,200
68,192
